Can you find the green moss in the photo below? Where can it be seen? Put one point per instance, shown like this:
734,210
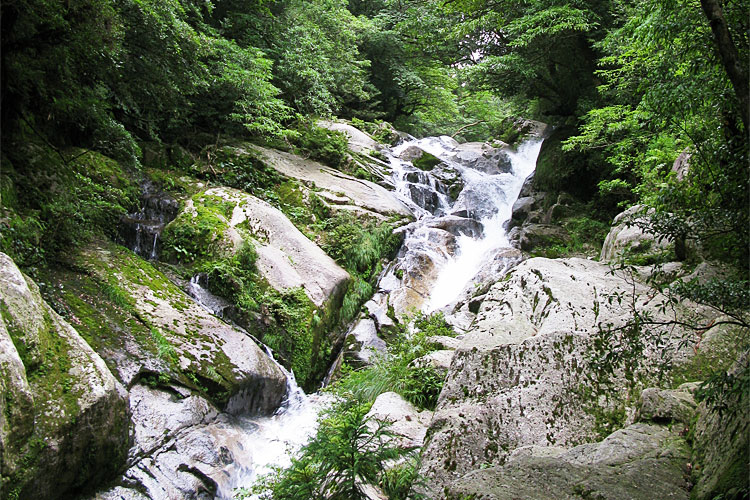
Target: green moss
193,234
426,162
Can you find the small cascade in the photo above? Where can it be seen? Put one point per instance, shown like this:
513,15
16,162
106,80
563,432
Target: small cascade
197,289
461,205
140,231
258,443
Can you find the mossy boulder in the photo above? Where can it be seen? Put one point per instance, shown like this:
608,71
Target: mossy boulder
203,352
722,443
627,240
64,416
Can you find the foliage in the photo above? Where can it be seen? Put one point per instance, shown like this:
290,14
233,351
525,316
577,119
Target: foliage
349,450
540,50
398,482
328,146
146,69
68,197
356,246
585,236
392,370
667,92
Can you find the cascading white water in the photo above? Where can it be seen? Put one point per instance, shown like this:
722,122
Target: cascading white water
258,443
472,253
489,191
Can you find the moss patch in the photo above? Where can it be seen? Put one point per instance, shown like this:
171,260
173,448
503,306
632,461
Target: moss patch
426,161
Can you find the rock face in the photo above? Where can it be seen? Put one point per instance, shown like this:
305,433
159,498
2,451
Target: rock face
640,462
519,377
358,193
286,257
624,237
223,359
722,444
64,420
408,424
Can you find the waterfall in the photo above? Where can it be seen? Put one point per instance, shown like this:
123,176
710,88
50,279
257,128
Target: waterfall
258,443
453,240
140,231
461,206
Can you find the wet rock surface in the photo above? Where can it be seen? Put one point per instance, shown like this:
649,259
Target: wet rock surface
140,231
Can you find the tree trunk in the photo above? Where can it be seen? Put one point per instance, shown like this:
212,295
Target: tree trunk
730,58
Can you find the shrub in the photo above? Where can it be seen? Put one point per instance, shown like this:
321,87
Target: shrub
349,451
328,146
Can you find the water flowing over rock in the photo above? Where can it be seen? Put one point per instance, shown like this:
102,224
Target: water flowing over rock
64,416
460,222
140,231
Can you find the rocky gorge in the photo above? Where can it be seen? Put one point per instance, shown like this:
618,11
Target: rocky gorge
145,372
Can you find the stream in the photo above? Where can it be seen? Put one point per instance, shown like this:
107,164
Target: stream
471,229
461,202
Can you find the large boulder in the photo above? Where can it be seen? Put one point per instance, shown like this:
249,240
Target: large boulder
483,157
286,257
63,415
407,424
627,238
522,375
197,346
640,462
358,141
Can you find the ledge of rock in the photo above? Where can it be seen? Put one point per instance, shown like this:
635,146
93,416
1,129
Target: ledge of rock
640,462
361,193
286,257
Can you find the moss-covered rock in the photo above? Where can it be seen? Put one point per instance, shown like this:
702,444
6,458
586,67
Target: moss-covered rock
207,354
722,442
64,419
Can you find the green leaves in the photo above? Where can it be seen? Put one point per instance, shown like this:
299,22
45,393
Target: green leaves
349,451
550,22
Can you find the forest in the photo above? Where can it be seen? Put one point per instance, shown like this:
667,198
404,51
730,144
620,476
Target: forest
629,86
646,103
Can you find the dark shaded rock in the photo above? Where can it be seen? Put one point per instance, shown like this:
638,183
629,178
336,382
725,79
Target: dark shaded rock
537,235
458,226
